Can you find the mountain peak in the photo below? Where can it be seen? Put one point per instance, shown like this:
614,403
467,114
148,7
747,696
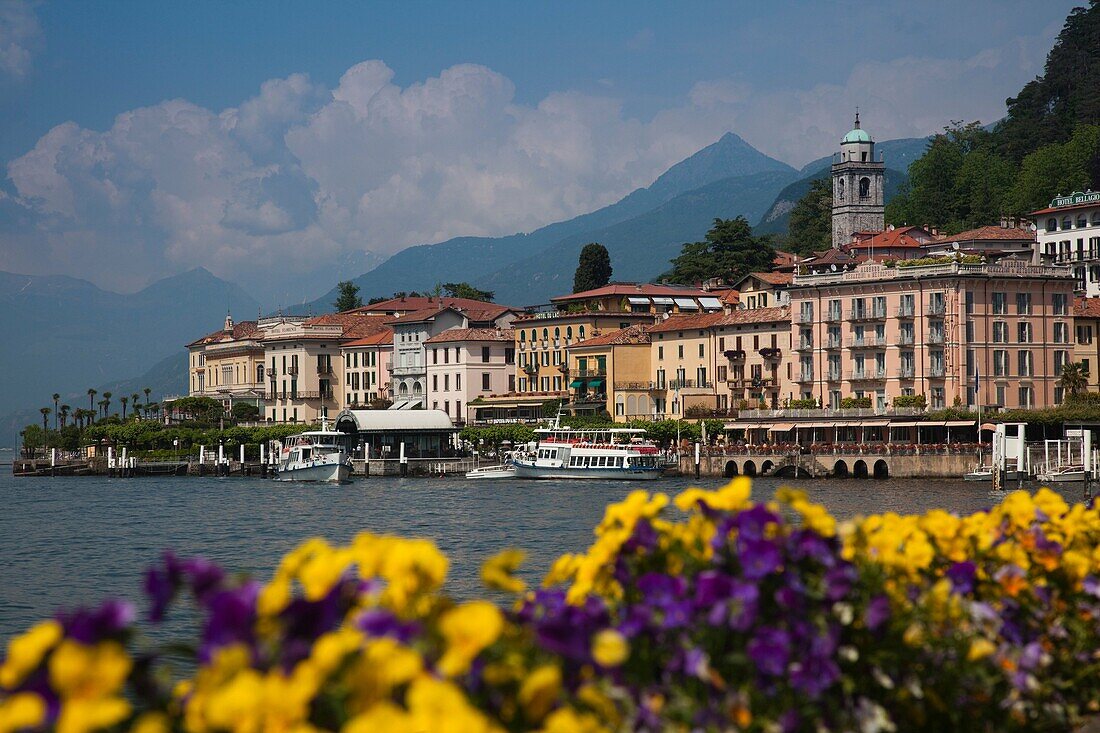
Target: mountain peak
727,156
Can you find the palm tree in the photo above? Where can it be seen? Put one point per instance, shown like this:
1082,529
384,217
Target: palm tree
124,400
45,418
150,408
56,397
1075,378
103,406
91,399
134,403
147,392
106,403
64,414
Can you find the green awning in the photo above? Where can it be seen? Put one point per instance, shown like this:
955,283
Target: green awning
576,384
595,383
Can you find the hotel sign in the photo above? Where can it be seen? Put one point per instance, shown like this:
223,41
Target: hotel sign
1075,198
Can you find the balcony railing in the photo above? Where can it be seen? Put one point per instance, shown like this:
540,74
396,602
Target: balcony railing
935,337
906,372
771,353
867,342
324,369
292,369
870,314
833,343
833,375
735,354
905,339
637,385
590,373
804,317
805,376
803,345
867,375
689,384
300,395
818,412
833,316
937,371
905,311
937,309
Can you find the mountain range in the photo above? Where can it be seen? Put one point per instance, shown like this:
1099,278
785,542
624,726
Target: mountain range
69,335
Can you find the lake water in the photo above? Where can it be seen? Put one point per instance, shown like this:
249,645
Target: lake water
66,542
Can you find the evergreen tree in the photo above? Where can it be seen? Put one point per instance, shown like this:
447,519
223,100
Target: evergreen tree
348,299
466,290
811,221
729,250
1058,168
593,268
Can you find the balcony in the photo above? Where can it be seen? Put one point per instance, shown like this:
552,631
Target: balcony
870,314
906,372
867,375
937,371
734,354
773,353
833,375
867,342
563,368
833,343
803,345
531,369
292,369
833,316
905,311
300,395
324,369
590,373
804,317
636,386
682,384
905,339
804,376
936,309
935,337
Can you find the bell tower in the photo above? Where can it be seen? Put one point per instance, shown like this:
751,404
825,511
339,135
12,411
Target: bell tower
858,204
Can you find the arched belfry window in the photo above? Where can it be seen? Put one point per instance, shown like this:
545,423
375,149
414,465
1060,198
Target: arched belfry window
840,188
864,187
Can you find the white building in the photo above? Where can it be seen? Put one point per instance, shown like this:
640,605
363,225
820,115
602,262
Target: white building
1068,233
467,363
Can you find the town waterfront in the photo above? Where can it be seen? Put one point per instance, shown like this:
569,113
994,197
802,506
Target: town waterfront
72,541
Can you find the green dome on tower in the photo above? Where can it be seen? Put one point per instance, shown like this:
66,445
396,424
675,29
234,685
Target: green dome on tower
856,135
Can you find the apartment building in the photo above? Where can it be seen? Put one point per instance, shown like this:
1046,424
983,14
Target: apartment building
1068,233
367,369
869,330
610,374
228,364
1086,350
305,365
466,364
762,290
411,333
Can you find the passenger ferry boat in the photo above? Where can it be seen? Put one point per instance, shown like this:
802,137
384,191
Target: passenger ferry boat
604,453
316,455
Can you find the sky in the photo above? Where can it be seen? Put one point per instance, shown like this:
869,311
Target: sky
284,145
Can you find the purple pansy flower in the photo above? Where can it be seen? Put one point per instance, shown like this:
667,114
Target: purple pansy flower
770,650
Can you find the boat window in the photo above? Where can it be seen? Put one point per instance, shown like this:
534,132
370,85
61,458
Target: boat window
305,454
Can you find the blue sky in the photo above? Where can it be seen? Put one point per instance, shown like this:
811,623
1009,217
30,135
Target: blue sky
219,133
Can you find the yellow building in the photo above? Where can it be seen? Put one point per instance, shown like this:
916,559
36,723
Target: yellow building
228,365
610,373
1086,350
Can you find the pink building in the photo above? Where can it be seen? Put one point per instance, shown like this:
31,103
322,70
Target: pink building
874,331
367,369
464,364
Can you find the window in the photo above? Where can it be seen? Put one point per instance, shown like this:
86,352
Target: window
969,302
1023,303
1000,363
1024,360
435,382
1084,334
1061,358
1026,396
680,351
864,185
1061,332
435,356
1000,304
1059,303
1023,331
1052,224
458,382
701,352
484,354
660,352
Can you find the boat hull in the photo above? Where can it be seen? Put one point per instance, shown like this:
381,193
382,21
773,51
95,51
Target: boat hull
1068,477
328,472
607,474
491,472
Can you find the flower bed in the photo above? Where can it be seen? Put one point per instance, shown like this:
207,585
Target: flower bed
706,612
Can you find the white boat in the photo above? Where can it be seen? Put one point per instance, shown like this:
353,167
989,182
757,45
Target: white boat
985,473
1062,475
315,455
603,453
503,470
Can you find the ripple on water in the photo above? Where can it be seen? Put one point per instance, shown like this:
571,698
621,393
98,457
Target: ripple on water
72,541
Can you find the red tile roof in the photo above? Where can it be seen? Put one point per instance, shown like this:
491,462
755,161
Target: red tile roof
635,289
775,314
990,233
452,335
1056,209
773,278
355,325
1086,307
785,260
831,256
240,330
484,313
908,237
636,334
380,338
687,322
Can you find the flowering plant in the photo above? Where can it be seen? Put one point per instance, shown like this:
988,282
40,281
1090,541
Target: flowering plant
705,612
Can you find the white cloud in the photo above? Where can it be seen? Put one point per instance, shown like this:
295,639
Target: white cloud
279,190
19,36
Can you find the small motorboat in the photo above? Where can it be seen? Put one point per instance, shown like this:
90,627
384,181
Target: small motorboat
1062,475
503,470
981,473
315,455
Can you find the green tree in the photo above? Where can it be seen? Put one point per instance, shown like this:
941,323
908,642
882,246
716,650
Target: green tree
811,220
981,189
245,412
729,251
34,438
1075,378
348,298
106,403
1056,168
56,399
124,400
91,399
466,290
64,414
593,268
45,418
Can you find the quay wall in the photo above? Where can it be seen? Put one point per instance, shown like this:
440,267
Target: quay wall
831,465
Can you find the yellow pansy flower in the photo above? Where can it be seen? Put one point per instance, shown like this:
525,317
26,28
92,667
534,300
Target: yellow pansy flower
26,651
610,648
467,630
498,572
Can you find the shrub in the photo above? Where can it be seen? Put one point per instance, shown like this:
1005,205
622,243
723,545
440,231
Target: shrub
852,402
807,403
748,616
911,400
